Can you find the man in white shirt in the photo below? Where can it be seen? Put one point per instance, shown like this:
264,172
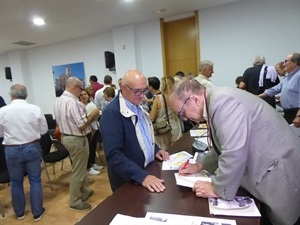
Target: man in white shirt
206,69
21,125
99,100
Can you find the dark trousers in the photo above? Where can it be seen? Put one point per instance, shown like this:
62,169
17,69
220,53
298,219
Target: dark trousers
290,114
298,222
93,146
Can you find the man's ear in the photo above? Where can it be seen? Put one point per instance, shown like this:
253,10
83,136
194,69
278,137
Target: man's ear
196,99
193,98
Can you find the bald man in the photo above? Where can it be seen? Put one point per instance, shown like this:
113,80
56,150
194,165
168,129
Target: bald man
128,138
74,124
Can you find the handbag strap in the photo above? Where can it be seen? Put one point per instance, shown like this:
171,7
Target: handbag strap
166,107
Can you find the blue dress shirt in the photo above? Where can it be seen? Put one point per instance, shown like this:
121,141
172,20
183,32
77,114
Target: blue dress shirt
289,89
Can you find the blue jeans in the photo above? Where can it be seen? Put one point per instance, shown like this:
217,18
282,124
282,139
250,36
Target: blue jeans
20,160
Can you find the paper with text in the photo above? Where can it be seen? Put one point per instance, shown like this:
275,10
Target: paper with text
176,160
120,219
176,219
198,132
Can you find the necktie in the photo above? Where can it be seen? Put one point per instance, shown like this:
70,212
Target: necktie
209,128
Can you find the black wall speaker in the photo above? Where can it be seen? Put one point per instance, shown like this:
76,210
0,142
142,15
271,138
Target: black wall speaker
109,60
8,73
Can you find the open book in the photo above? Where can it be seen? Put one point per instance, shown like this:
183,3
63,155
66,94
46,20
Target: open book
239,206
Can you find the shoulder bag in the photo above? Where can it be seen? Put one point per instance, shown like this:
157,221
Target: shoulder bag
162,126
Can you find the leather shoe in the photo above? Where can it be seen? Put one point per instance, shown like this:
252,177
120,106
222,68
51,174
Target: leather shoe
38,218
91,193
81,207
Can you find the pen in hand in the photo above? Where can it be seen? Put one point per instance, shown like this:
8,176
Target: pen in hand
185,164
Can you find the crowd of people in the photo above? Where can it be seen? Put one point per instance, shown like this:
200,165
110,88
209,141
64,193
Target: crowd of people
246,144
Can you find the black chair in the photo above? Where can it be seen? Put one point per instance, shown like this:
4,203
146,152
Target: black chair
51,132
49,156
4,176
50,121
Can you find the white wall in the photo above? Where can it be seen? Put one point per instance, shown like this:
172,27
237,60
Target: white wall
230,36
149,48
124,49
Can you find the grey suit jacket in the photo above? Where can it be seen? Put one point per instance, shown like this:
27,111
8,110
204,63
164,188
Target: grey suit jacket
259,151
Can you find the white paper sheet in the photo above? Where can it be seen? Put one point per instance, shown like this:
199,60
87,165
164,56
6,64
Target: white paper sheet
202,139
120,219
202,126
176,160
176,219
189,180
198,132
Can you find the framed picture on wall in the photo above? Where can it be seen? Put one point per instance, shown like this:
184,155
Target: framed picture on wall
62,72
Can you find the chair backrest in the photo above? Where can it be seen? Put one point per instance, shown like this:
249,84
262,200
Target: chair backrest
50,121
4,176
46,143
48,116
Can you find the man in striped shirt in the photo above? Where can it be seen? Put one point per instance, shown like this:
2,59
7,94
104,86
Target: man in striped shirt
74,125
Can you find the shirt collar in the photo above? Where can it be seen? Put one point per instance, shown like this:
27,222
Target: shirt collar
293,72
16,101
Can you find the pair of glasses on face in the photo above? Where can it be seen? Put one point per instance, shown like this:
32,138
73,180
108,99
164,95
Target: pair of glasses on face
137,92
180,113
287,60
77,86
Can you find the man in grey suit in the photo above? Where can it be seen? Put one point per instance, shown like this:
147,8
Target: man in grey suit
249,148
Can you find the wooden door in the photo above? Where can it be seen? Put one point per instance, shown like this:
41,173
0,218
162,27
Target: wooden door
180,40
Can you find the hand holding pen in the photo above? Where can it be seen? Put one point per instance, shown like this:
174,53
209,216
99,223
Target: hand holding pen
190,166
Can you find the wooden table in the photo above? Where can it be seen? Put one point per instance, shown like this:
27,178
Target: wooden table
134,200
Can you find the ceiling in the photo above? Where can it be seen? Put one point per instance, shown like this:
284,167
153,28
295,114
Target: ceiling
71,19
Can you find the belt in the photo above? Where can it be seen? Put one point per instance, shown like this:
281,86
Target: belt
73,135
32,142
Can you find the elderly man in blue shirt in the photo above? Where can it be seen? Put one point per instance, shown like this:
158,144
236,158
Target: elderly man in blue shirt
289,89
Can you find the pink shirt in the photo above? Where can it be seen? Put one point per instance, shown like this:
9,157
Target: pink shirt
96,86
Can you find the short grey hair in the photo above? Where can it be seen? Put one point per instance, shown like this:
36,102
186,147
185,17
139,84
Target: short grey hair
296,58
18,91
187,87
205,64
259,60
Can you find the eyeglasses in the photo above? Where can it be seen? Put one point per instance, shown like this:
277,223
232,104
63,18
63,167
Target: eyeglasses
287,60
180,113
137,92
76,86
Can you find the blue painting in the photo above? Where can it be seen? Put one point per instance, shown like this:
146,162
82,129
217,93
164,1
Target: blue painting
62,72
